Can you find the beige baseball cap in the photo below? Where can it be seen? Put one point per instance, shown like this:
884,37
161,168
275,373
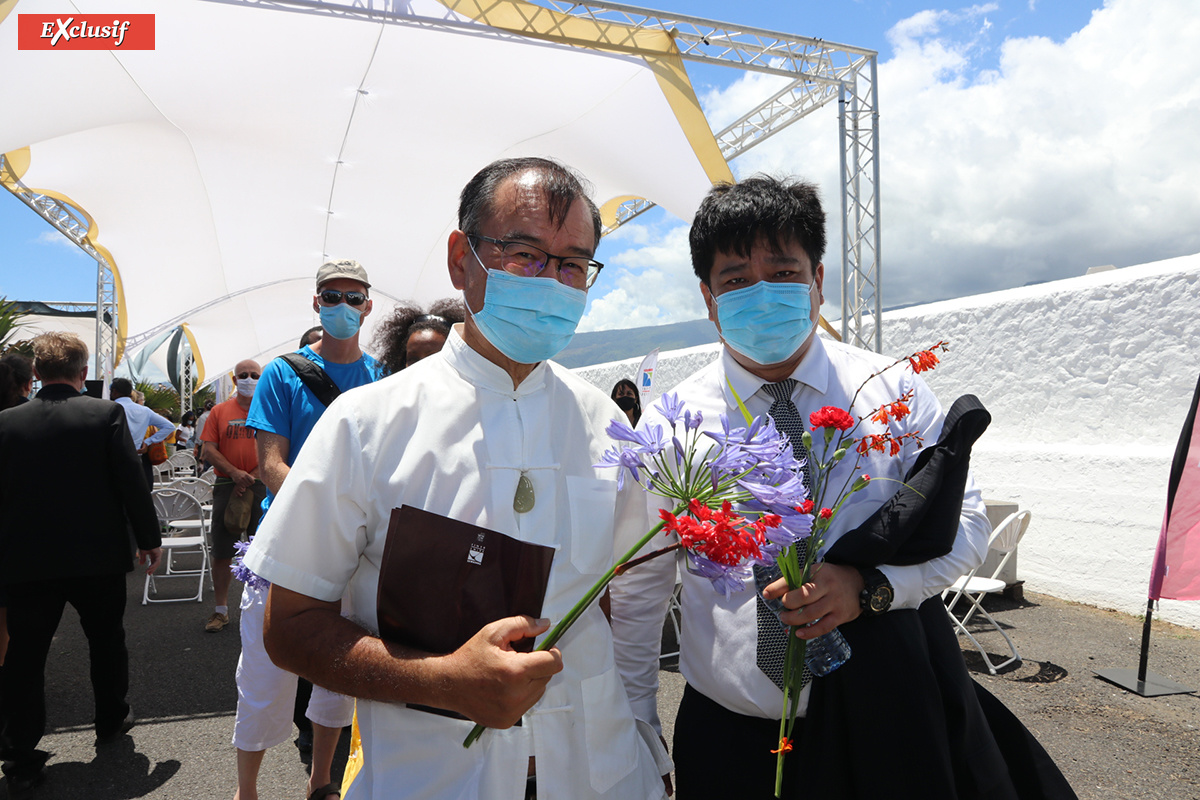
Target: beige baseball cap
342,268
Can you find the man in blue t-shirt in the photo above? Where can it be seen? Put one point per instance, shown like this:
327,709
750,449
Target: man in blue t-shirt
284,411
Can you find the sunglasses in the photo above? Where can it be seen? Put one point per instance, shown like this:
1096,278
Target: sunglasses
244,375
331,297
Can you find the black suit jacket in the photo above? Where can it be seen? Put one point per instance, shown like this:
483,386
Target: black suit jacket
71,489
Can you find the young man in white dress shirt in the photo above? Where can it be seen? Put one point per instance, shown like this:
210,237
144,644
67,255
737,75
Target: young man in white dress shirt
456,435
757,248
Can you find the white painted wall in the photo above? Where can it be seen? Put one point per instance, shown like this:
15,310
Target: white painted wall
1088,381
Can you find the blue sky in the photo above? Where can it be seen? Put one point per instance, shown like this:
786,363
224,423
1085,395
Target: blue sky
1007,144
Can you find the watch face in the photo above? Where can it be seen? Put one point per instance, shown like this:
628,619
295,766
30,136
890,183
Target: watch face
881,599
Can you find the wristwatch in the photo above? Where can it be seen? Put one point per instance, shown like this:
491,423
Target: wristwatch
877,594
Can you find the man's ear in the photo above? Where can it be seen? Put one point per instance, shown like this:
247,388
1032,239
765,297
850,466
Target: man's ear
367,306
458,250
710,303
819,282
316,305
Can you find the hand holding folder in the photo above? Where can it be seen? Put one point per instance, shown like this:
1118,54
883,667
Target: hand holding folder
442,581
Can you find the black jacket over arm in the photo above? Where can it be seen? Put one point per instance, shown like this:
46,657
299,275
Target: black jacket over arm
71,489
902,718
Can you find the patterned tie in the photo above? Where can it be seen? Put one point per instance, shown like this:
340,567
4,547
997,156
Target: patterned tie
772,635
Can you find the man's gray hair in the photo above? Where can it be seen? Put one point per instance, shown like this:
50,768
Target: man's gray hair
560,185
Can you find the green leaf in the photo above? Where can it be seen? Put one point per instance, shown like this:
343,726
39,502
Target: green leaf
742,406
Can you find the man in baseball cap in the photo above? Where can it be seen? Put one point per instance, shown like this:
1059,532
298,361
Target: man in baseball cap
284,411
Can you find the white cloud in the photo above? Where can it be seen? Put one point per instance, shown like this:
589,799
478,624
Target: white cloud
646,285
1069,155
56,239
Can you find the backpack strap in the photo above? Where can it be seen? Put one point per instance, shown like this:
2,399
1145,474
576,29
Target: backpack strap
312,376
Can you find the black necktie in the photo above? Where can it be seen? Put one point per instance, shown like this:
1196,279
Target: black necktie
773,635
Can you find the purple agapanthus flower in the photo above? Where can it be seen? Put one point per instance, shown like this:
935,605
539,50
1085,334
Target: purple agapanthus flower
671,407
725,579
648,441
627,457
244,573
778,488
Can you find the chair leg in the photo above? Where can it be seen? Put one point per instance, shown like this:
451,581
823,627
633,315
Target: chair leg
1016,657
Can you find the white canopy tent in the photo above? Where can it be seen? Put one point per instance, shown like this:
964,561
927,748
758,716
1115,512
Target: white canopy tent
216,172
220,169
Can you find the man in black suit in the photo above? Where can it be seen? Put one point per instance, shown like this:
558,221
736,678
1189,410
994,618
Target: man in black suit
71,490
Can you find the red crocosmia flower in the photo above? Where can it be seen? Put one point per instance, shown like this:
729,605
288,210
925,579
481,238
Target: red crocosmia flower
785,746
831,417
895,447
872,441
923,361
721,535
826,513
880,416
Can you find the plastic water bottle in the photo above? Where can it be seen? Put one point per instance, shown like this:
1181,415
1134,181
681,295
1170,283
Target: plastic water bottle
826,653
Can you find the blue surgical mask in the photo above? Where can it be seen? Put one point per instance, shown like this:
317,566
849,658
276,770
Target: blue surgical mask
341,321
528,319
766,322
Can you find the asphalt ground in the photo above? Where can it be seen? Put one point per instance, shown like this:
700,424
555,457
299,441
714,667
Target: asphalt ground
1111,744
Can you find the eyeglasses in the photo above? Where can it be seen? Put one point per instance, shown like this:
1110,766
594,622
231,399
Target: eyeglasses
521,258
243,375
331,297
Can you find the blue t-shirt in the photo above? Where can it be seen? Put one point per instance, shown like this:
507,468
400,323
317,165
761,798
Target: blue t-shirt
283,405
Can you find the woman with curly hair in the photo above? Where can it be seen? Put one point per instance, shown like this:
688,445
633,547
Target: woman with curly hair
412,333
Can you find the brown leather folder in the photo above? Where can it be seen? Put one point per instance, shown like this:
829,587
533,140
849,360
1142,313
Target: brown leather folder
442,580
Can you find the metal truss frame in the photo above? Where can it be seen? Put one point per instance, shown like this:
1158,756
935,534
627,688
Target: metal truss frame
64,218
821,72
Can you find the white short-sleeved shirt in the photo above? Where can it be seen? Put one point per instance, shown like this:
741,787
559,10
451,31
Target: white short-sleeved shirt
719,637
450,435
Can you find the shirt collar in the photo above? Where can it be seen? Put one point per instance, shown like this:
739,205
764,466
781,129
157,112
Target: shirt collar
812,371
478,371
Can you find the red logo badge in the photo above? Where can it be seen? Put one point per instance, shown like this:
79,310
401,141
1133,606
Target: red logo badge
85,32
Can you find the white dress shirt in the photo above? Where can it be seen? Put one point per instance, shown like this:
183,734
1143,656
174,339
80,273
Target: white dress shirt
718,639
450,435
140,418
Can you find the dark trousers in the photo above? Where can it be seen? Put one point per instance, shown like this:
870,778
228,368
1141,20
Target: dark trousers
34,611
148,470
721,755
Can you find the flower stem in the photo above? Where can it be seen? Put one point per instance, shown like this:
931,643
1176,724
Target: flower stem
597,589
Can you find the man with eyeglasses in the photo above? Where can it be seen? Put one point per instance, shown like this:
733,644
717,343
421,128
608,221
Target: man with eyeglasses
228,444
490,433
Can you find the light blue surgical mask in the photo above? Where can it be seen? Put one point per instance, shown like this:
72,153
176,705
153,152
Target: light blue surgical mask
766,322
341,321
527,319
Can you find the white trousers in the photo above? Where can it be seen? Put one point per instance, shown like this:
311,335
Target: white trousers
267,694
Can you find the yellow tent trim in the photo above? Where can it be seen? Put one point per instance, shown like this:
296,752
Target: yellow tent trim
196,357
6,7
19,161
657,48
608,211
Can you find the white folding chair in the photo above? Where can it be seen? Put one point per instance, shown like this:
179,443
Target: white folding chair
973,587
163,473
200,489
182,464
185,530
